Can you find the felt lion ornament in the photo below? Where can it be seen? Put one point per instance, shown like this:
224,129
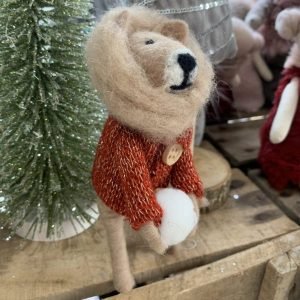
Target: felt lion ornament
153,78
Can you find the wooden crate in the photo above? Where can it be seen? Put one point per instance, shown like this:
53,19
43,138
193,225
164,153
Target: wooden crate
288,200
269,271
238,142
79,267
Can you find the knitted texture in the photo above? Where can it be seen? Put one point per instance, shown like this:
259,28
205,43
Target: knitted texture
281,162
128,168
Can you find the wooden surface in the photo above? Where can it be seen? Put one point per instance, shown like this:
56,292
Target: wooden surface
294,254
216,184
288,200
207,162
79,267
238,142
237,277
279,278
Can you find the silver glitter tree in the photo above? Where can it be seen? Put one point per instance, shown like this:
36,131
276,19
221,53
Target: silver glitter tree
49,116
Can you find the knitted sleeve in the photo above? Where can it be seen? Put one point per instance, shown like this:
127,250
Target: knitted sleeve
184,176
141,204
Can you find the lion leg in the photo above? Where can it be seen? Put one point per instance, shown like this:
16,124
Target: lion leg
114,226
151,235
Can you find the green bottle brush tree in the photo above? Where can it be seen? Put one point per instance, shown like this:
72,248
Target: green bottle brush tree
49,116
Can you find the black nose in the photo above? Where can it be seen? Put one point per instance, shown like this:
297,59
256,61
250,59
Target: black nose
187,62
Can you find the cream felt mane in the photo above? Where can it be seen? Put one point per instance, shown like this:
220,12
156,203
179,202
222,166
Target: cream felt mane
124,85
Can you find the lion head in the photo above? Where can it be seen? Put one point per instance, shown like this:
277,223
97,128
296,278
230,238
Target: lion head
150,71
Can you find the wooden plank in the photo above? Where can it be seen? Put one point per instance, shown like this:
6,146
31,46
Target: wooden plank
79,267
237,277
288,200
278,279
295,291
239,142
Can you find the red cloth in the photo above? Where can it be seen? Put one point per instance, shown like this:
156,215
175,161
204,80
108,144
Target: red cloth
128,168
281,162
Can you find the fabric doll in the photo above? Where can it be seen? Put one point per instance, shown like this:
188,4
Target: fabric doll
243,72
262,16
280,135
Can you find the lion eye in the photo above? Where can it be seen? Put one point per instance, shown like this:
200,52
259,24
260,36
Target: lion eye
149,42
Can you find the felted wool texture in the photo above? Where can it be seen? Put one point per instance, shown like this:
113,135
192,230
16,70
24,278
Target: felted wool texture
179,218
247,41
288,27
129,94
288,23
281,162
240,8
248,95
151,235
114,226
128,168
209,20
294,57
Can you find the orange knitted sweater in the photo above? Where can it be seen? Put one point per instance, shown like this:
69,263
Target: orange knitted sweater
128,168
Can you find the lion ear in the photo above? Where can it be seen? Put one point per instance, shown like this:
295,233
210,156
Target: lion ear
175,29
122,19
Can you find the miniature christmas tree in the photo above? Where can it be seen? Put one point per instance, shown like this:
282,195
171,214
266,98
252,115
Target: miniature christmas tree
49,116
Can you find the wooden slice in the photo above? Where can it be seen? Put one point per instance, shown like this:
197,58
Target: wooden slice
215,173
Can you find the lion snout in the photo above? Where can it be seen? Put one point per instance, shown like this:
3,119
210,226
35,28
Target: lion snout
181,69
187,62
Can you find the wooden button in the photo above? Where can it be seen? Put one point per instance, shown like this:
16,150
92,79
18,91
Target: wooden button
171,154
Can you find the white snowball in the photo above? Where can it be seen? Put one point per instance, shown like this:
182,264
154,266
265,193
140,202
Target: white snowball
179,216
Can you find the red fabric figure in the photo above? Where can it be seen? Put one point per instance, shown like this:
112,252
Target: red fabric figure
281,162
131,169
